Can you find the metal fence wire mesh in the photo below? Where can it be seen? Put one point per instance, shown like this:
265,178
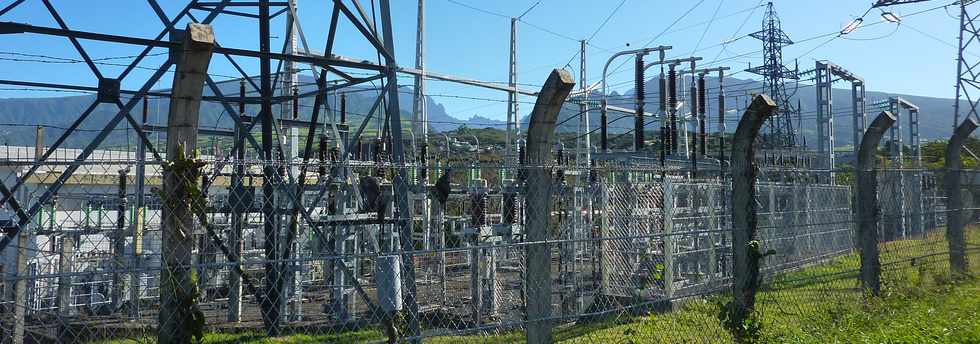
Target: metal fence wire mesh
636,252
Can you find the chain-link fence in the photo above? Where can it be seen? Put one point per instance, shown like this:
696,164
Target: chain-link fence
637,252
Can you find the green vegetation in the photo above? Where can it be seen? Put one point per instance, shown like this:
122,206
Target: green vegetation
824,304
934,154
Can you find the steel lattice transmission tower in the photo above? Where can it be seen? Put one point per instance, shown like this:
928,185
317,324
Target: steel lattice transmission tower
967,71
773,71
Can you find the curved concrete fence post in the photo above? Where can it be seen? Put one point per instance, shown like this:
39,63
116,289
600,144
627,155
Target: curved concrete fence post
744,206
177,297
867,204
540,139
954,196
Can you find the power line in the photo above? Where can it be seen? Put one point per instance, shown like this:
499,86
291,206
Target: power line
604,22
708,27
662,33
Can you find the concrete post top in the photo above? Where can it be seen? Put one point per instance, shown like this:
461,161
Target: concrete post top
883,122
541,130
967,127
872,136
956,142
761,108
200,34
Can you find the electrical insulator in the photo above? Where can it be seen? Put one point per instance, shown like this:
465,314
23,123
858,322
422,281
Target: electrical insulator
332,202
322,156
671,90
702,96
295,103
282,163
479,202
343,108
241,93
378,148
702,110
510,208
604,128
522,160
663,92
640,89
559,153
672,109
379,157
593,174
204,181
560,159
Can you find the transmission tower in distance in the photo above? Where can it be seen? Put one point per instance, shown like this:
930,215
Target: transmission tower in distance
774,75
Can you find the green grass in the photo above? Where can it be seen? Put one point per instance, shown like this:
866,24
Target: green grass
919,304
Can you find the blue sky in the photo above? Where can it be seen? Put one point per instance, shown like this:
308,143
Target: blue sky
469,38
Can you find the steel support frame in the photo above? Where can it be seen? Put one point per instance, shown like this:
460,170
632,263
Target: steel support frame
826,72
968,71
137,95
907,221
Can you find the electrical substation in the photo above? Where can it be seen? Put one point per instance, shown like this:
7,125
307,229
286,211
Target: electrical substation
298,212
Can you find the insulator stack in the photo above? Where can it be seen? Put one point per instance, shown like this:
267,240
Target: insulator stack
332,202
702,112
702,96
343,108
510,208
479,202
322,156
604,128
282,162
663,92
122,185
295,103
593,174
241,94
522,161
640,82
377,151
559,159
379,157
663,114
672,109
204,181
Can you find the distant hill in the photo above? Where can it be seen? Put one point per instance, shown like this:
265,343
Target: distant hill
19,115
